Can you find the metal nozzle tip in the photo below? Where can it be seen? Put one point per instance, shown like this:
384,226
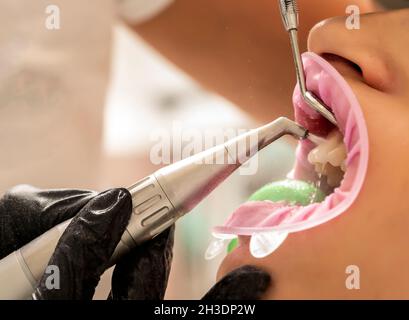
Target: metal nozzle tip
289,13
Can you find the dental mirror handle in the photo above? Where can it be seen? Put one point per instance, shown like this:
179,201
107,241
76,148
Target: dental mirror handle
158,201
289,15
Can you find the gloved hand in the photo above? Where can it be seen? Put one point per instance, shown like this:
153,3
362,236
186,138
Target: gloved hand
88,242
244,283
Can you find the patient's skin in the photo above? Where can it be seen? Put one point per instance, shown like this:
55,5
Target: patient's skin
373,233
239,48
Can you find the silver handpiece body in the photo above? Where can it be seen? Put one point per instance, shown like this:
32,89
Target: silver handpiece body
158,201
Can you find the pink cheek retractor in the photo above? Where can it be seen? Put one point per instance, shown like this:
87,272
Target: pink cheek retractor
269,223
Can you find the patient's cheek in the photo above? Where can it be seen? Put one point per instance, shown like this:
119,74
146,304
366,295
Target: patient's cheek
378,215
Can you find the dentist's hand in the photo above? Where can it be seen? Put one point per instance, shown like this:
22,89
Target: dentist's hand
83,252
244,283
89,241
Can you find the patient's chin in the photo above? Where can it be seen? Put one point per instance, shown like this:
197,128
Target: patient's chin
241,256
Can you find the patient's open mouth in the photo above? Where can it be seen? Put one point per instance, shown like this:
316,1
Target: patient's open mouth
269,222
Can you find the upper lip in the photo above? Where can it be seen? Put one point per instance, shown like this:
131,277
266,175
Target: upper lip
344,67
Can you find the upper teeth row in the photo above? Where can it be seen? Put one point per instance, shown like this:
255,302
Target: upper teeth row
329,158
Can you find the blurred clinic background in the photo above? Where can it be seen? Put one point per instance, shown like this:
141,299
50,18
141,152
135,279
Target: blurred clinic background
78,106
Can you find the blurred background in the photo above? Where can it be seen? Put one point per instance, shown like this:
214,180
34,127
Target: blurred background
78,106
146,94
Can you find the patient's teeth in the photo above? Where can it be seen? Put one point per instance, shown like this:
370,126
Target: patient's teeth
312,156
329,158
344,166
319,167
334,176
337,156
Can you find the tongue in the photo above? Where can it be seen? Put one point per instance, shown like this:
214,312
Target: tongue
273,202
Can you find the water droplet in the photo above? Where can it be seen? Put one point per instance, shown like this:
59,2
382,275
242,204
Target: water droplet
264,243
214,249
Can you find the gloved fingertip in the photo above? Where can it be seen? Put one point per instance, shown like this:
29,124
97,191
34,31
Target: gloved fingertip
244,283
113,204
84,249
103,220
112,198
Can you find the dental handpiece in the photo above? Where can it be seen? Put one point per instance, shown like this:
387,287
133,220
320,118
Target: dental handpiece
289,14
158,201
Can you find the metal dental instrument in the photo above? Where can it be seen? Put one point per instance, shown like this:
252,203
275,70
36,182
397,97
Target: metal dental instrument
289,14
158,201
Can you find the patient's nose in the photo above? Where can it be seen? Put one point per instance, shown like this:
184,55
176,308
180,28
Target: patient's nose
365,49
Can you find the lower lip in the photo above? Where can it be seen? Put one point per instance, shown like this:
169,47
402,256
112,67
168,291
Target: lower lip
330,86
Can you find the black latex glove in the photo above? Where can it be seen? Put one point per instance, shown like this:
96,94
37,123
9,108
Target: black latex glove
88,242
27,212
244,283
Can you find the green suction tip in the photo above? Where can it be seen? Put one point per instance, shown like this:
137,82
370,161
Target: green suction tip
294,192
232,245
